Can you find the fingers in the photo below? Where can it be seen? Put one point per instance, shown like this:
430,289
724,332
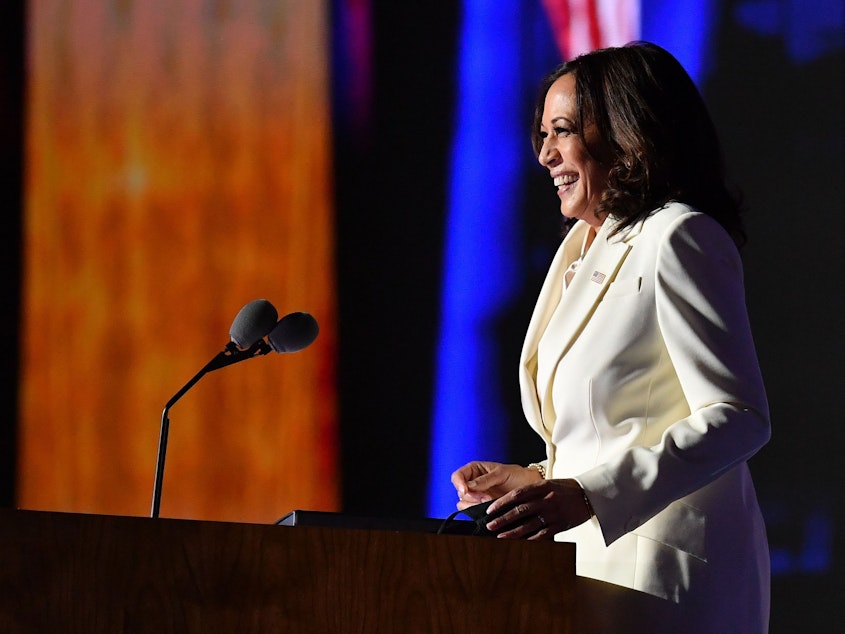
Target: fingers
521,495
467,473
523,521
526,512
518,515
486,481
539,510
475,480
465,482
459,481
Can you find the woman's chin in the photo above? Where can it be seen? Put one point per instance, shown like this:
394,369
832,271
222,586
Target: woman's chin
587,215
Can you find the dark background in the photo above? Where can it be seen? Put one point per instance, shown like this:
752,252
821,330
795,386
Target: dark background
781,124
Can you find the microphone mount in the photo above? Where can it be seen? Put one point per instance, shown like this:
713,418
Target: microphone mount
229,355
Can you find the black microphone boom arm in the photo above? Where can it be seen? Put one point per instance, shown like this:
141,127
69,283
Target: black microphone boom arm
230,354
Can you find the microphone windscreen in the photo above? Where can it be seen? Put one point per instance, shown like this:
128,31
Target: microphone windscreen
293,333
253,322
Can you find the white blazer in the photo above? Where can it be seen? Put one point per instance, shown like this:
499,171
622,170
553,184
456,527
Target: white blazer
647,390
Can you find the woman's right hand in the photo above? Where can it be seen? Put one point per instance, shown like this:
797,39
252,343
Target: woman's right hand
479,481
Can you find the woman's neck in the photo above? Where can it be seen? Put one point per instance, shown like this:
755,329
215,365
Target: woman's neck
588,239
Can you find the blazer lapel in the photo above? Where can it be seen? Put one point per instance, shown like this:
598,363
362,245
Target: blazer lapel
597,271
552,289
595,274
547,301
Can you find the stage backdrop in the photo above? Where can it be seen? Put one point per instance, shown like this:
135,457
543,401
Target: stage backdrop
177,167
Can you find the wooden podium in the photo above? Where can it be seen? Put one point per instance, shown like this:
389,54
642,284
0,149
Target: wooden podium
63,572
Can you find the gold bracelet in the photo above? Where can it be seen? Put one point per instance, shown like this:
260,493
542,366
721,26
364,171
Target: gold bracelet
539,468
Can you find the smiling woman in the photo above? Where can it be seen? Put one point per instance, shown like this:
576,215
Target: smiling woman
172,155
638,370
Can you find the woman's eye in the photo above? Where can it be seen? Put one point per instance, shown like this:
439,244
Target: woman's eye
543,135
563,131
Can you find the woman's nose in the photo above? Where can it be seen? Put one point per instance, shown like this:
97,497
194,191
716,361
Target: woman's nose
549,156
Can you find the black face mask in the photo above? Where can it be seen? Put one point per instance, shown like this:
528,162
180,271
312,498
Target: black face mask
478,514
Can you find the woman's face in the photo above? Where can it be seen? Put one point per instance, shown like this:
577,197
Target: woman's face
579,178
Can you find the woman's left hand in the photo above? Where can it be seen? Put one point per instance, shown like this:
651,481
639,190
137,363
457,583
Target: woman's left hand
539,510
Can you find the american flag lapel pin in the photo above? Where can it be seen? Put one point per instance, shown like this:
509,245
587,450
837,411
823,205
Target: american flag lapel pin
597,277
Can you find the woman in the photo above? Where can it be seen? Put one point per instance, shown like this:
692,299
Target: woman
638,369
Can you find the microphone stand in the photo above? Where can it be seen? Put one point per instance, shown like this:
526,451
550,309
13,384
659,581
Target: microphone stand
230,354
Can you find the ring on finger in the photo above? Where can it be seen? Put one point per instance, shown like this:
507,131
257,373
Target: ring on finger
542,521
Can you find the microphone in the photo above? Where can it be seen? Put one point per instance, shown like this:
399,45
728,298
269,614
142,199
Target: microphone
293,333
252,324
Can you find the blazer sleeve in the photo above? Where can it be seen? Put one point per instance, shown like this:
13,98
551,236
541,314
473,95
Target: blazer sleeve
702,319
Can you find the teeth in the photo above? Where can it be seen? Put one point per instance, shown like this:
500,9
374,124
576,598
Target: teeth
568,179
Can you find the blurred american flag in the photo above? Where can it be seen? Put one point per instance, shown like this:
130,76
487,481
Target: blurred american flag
580,26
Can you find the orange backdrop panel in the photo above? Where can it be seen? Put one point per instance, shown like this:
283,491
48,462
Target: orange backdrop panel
178,166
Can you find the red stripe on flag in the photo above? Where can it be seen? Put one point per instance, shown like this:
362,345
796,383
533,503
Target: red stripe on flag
559,17
595,26
580,26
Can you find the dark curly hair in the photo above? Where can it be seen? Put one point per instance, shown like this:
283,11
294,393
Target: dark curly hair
655,134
